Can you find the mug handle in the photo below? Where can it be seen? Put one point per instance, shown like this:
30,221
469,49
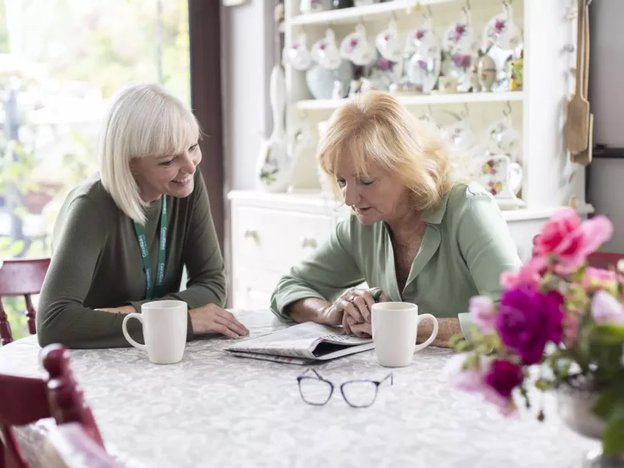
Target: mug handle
139,317
434,332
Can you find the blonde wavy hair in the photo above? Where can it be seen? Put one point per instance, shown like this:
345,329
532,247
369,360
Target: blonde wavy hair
376,128
143,120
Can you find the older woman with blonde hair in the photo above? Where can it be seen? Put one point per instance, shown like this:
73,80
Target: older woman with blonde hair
123,238
416,234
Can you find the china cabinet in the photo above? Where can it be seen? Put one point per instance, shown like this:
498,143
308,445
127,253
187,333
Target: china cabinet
269,231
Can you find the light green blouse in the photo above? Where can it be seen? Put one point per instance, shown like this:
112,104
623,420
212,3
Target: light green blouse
466,246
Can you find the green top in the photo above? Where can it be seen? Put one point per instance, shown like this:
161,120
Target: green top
465,248
97,263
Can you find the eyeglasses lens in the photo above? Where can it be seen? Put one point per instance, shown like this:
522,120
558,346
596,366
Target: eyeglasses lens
359,393
314,391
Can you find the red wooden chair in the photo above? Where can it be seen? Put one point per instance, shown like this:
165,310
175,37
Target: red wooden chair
24,400
606,260
20,277
69,445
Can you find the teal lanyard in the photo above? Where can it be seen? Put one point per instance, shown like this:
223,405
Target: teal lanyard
150,290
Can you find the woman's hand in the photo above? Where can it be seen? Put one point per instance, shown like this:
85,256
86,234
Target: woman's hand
356,318
213,319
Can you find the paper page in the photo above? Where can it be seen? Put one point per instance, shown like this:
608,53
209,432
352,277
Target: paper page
299,340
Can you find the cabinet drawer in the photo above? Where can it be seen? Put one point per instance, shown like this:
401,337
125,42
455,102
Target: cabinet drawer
276,239
252,289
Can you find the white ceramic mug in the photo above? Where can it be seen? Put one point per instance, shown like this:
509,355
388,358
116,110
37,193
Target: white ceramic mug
164,330
394,326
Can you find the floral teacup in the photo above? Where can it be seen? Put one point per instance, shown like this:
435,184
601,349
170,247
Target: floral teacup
325,52
298,55
355,47
459,37
499,175
502,31
504,138
388,43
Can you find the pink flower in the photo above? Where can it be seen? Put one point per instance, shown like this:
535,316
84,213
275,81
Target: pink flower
607,309
482,313
565,237
528,275
597,278
570,329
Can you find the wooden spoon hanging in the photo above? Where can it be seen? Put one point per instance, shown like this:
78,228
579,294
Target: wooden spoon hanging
585,157
578,120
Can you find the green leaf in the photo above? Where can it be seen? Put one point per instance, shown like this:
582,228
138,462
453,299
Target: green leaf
613,436
608,334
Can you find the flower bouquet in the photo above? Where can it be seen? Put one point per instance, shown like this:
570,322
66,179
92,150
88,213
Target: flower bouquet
558,322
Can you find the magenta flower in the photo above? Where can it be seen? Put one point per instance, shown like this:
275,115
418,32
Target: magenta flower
528,319
503,376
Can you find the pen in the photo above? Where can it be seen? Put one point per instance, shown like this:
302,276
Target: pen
377,295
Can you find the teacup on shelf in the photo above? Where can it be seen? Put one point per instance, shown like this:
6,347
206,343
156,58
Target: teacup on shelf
388,43
356,48
325,52
499,175
298,55
501,31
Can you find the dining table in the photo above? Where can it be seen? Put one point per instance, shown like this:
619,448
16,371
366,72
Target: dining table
214,409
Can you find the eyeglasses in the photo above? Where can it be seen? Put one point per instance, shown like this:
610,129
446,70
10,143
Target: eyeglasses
315,390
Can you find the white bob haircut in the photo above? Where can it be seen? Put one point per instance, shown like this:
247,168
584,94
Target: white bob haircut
143,121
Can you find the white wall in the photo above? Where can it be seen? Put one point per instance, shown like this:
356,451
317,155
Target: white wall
606,180
607,71
246,38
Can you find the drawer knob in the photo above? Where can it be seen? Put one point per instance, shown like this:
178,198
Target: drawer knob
309,242
251,234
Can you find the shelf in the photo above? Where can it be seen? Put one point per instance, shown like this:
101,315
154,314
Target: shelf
420,99
324,202
356,14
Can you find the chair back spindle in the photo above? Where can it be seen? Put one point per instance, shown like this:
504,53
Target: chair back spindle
20,277
25,400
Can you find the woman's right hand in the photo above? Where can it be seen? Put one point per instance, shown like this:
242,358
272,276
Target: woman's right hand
213,319
353,306
359,309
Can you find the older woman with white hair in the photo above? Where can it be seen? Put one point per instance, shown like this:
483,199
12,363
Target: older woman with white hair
124,238
417,235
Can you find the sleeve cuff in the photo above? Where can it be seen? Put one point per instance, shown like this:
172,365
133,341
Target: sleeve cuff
465,323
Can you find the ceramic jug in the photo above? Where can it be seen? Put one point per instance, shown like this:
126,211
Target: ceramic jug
499,175
274,165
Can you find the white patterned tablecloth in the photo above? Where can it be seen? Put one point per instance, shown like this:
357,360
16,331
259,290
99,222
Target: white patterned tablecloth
216,410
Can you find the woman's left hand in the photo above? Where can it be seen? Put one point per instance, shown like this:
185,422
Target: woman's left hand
357,319
361,330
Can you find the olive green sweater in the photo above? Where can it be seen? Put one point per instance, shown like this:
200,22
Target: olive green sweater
97,264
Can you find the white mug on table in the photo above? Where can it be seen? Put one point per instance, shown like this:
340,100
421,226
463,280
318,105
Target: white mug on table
394,326
164,330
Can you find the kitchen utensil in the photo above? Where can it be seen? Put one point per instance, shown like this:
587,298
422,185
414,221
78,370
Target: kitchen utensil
578,120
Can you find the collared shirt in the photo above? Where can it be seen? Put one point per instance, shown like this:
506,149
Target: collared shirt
465,248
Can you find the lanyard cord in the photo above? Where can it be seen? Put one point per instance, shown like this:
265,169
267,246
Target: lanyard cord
150,290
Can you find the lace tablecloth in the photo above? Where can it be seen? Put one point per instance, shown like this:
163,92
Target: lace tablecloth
216,410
